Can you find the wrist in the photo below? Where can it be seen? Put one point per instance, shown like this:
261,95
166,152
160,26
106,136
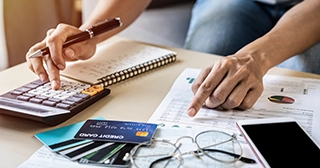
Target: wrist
266,51
258,56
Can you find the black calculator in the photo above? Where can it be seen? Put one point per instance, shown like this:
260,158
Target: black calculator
37,101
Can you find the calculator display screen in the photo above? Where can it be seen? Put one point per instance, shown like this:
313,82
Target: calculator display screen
284,144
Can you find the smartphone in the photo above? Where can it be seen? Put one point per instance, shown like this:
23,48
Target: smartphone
280,142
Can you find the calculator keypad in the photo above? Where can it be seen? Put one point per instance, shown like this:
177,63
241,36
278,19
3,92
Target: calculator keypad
41,93
38,99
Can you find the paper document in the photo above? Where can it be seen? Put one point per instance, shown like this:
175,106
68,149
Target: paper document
172,110
305,109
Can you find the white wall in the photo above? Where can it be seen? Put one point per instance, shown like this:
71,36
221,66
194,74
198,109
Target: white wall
3,46
87,8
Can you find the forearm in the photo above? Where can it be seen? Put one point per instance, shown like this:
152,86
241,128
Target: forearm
127,10
296,31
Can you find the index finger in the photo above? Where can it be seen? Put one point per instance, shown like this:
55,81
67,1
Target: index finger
54,42
211,81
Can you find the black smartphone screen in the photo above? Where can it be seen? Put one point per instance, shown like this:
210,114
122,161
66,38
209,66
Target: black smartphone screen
284,144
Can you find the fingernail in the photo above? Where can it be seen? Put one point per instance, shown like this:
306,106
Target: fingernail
69,53
191,112
54,84
60,66
42,77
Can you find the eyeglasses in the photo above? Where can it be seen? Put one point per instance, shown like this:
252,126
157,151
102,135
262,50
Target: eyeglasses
211,147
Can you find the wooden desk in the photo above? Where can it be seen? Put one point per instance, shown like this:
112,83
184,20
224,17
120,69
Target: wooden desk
134,99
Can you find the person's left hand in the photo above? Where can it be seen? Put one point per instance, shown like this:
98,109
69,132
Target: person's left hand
232,82
48,67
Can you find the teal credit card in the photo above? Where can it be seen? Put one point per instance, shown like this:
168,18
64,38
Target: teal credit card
116,131
62,138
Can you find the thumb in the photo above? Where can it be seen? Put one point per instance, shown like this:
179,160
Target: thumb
70,55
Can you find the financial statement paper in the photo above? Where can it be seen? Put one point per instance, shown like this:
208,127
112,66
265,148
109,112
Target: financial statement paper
305,91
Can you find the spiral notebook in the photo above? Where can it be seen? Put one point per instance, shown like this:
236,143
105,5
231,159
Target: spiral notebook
117,62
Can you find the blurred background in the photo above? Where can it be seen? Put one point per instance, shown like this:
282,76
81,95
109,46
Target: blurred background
25,22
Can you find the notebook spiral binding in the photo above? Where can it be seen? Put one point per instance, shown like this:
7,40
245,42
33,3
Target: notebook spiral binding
136,70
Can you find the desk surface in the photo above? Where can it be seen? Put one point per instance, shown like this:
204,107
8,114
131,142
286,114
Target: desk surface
134,99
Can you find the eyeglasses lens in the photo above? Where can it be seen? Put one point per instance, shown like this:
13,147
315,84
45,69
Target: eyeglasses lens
219,146
159,152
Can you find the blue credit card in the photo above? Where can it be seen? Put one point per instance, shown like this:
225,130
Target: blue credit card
117,131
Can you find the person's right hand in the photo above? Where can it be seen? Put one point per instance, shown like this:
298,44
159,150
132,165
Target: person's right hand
48,67
232,82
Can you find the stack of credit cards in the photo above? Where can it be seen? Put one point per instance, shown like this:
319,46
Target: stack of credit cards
98,141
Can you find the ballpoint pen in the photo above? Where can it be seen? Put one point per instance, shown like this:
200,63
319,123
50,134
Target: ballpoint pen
95,30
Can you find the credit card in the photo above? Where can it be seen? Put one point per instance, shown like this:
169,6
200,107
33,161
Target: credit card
103,154
69,150
63,138
116,131
119,158
112,156
84,150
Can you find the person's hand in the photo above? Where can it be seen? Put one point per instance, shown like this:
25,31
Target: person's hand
232,82
49,66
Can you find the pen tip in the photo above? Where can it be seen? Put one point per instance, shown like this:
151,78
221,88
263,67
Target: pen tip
35,54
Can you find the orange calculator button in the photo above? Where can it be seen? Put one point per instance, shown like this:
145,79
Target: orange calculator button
92,90
97,88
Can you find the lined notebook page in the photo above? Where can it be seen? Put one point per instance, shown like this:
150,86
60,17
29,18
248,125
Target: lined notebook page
112,58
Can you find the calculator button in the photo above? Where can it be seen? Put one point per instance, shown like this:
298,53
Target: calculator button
68,102
65,87
89,92
97,88
54,100
49,103
81,95
31,86
36,92
15,92
48,94
63,106
43,88
47,84
76,89
75,99
69,93
61,97
23,89
41,97
38,82
56,91
28,94
83,85
35,100
24,98
93,90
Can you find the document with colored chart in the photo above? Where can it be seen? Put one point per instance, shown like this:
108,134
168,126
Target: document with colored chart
304,108
282,97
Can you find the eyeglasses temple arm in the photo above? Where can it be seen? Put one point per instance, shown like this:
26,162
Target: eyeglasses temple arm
159,160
